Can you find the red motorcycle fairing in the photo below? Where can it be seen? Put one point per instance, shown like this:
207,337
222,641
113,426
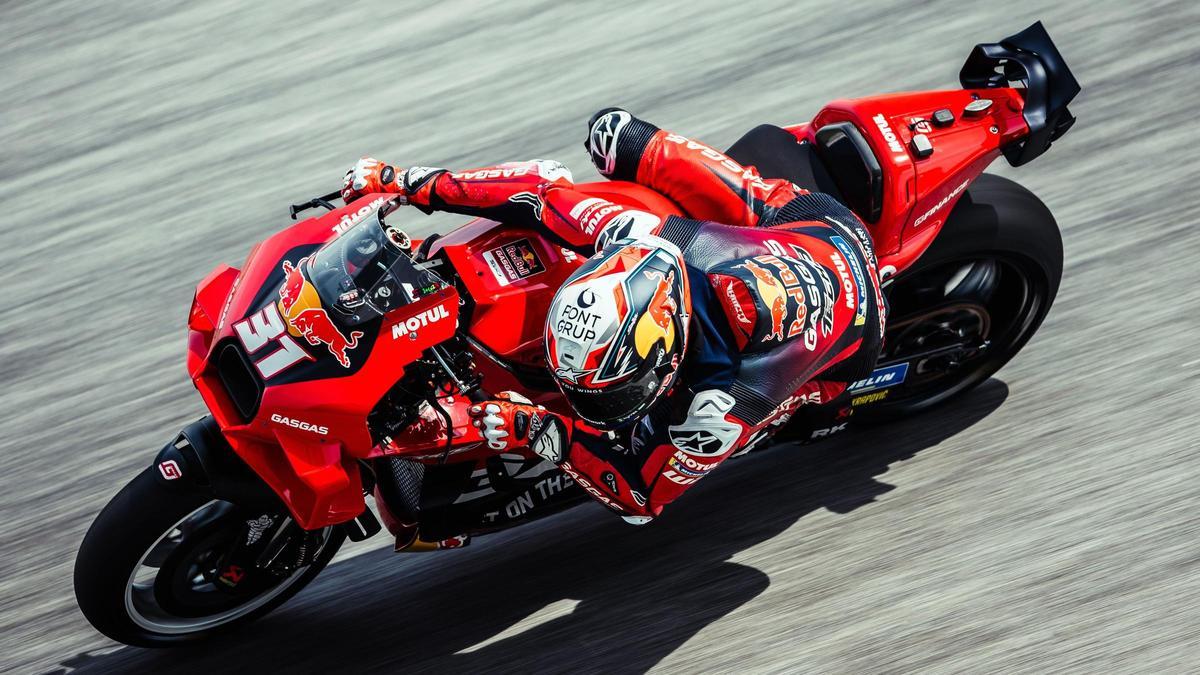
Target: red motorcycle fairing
309,427
209,306
309,424
920,192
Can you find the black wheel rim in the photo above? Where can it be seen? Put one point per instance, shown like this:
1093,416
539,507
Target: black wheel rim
957,322
189,582
172,590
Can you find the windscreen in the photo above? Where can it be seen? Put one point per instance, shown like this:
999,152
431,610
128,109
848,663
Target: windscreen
368,271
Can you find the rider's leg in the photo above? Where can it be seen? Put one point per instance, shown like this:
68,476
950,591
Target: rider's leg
707,184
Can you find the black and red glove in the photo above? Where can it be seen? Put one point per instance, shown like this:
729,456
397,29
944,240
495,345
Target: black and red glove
369,176
512,421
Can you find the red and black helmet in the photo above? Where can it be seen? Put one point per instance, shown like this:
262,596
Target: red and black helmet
617,330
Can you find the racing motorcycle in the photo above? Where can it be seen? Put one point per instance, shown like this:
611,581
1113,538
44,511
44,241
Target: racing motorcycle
313,405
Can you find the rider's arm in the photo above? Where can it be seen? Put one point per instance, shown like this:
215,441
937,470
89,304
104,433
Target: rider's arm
666,463
662,464
538,193
636,473
506,192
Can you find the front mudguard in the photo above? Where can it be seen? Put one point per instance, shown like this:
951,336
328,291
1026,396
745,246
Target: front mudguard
201,460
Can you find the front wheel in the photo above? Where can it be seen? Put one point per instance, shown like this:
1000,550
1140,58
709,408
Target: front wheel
160,566
969,304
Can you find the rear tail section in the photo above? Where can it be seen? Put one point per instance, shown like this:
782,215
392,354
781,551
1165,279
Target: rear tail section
1030,60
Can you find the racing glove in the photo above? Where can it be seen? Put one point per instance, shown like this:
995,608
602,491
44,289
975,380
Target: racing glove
513,421
368,176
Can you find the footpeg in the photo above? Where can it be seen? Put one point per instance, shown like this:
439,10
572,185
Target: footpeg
415,544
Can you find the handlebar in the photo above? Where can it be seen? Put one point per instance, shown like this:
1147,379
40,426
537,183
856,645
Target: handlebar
325,201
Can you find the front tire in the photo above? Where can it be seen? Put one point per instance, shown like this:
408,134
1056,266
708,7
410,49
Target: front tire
972,300
147,527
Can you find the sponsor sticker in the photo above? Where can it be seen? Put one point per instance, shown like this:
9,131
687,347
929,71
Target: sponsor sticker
611,481
873,397
256,527
889,136
589,488
514,261
497,172
298,424
349,220
688,465
300,304
315,326
412,324
677,478
779,280
541,493
736,304
783,412
824,433
748,174
860,279
942,202
169,469
881,378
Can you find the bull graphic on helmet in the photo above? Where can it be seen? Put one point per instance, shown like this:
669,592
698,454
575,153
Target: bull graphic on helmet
617,329
656,324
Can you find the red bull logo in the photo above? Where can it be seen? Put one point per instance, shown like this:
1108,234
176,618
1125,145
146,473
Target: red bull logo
316,327
293,284
774,295
301,307
656,323
528,257
736,304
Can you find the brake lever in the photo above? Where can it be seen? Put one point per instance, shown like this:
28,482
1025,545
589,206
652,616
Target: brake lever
325,201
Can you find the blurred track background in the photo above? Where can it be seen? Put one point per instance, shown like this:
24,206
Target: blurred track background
1044,523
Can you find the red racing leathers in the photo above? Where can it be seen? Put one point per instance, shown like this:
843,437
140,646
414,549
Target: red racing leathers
786,307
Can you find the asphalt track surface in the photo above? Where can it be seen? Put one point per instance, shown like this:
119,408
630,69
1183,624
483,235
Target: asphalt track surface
1044,523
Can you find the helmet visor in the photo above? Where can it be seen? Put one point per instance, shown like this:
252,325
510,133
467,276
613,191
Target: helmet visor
619,405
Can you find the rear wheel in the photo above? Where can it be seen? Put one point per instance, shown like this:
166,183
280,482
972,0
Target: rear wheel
972,301
161,566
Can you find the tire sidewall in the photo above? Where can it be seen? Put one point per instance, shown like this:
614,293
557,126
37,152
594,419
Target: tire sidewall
125,529
996,218
999,216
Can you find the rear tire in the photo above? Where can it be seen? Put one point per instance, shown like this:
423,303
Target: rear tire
122,538
998,263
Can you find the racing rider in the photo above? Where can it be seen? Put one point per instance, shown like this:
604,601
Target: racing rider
683,340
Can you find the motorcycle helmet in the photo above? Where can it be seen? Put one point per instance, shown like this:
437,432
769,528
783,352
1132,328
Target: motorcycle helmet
617,330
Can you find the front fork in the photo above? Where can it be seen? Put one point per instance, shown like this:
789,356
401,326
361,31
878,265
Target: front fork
270,543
